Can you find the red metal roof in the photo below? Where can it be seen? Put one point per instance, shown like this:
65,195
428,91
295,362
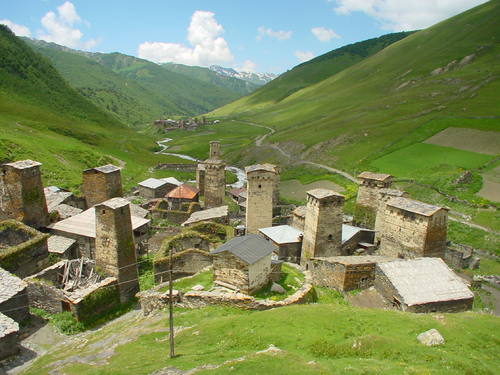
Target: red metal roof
183,192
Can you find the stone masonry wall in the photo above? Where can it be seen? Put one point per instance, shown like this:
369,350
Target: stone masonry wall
215,183
99,187
259,211
290,252
231,270
259,274
187,262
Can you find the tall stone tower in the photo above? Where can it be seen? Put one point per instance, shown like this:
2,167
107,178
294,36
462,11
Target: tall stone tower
384,195
260,186
21,193
368,195
114,245
101,184
215,177
323,224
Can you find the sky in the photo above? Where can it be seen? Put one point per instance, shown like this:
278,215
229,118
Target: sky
259,35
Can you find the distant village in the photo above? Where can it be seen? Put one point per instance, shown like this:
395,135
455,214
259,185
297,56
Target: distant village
182,124
60,252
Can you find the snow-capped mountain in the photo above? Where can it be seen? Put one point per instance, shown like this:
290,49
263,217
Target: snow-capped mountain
255,78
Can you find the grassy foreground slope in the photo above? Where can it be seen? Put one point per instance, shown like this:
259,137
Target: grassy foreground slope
327,338
43,118
362,112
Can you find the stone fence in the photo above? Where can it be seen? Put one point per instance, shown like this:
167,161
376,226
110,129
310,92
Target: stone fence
178,166
152,300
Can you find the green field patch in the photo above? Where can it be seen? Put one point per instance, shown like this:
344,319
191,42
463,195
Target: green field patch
484,142
415,159
491,185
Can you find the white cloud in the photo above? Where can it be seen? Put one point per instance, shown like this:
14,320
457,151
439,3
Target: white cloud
60,28
19,30
303,56
247,66
323,34
400,15
207,46
266,31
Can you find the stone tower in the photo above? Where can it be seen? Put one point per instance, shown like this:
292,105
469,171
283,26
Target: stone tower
384,195
114,245
21,193
101,184
200,178
215,177
260,186
368,195
323,224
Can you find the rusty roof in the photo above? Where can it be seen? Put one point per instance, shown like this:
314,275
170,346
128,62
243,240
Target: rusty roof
375,176
411,205
184,191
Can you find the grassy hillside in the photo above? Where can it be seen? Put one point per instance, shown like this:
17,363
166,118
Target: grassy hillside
43,118
322,338
208,76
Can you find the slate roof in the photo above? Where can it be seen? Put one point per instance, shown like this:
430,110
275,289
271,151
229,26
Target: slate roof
323,193
425,280
184,191
300,211
261,167
349,231
83,224
205,215
375,176
282,234
171,180
249,248
59,244
55,198
65,211
411,205
10,285
22,164
152,183
355,259
108,168
7,325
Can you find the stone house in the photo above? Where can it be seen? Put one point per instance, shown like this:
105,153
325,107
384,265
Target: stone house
13,296
384,195
180,195
155,188
422,285
368,197
215,177
101,183
22,195
184,263
9,337
354,238
82,228
413,229
243,263
23,250
217,214
288,241
344,273
63,203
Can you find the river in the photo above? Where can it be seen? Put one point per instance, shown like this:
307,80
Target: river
240,173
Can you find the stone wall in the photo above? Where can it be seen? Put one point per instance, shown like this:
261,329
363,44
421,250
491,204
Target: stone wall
384,195
259,274
153,193
85,245
16,307
177,167
100,186
45,295
22,258
323,224
290,252
215,183
9,337
259,210
231,270
410,235
187,262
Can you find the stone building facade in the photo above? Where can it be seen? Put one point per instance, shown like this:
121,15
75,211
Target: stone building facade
413,229
153,188
200,178
323,224
298,218
101,183
9,337
21,193
115,249
23,250
13,297
344,273
184,263
214,177
260,190
384,195
368,196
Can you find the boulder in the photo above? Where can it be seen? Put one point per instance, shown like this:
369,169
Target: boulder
431,337
277,288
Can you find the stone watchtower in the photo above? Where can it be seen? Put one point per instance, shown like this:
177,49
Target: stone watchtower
114,242
101,184
384,195
215,177
260,186
368,195
21,193
323,224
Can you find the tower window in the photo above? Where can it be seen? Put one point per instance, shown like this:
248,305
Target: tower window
260,186
330,237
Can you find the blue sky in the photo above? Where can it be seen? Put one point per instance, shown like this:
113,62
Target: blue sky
258,35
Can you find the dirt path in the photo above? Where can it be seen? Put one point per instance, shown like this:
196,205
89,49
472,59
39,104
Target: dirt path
472,225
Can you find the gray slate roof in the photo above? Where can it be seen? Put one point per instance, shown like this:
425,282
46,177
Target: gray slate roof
59,244
206,215
411,205
10,285
261,167
22,164
282,234
249,248
375,176
425,280
7,326
323,193
152,183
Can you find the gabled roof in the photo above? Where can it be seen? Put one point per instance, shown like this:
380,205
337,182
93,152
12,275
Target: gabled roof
206,215
249,248
282,234
55,198
171,180
411,205
323,193
59,244
152,183
425,280
10,285
375,176
23,164
349,231
184,191
108,168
